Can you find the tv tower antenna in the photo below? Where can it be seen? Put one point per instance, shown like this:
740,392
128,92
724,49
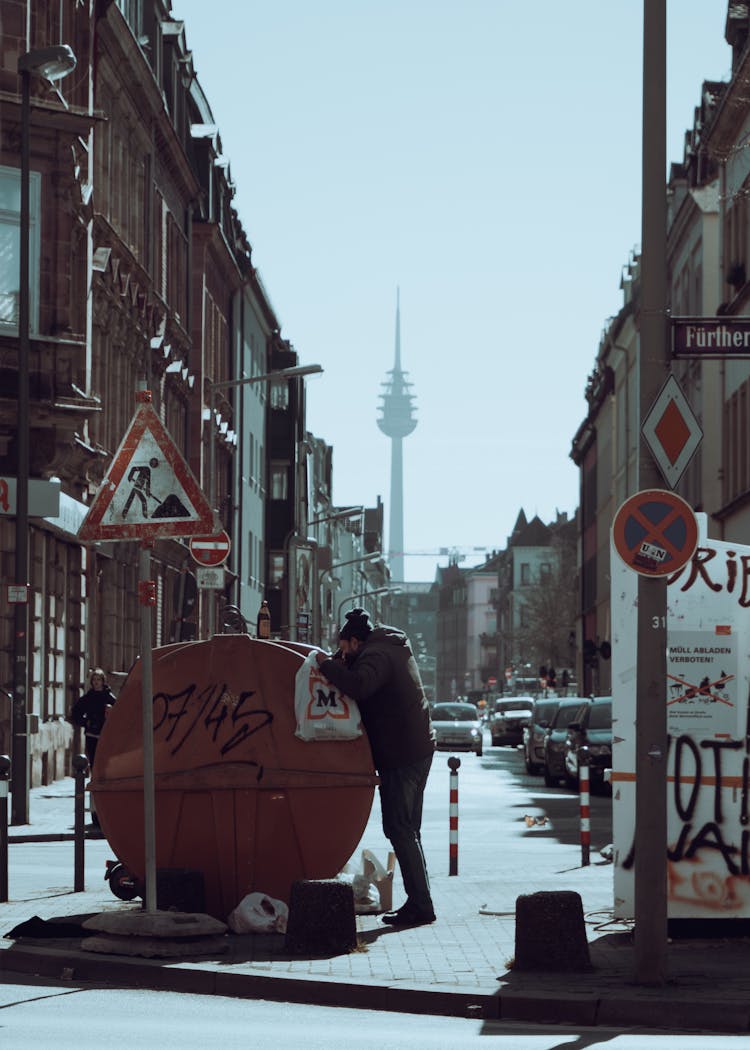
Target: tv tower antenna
397,421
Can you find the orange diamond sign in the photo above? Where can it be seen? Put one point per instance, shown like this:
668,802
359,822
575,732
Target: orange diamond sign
671,431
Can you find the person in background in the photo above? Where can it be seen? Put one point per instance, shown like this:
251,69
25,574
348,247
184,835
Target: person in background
90,711
375,666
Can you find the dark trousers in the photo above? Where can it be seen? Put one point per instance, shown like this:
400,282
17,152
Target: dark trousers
401,794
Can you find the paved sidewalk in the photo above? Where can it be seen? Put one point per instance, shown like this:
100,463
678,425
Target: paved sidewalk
460,965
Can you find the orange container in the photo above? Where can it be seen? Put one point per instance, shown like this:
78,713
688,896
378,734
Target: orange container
238,796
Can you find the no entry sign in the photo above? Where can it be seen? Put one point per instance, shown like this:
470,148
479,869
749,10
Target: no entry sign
210,550
655,532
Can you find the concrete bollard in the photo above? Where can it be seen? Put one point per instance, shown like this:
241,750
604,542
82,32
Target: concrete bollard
321,918
550,932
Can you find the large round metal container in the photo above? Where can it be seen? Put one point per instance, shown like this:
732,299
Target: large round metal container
238,796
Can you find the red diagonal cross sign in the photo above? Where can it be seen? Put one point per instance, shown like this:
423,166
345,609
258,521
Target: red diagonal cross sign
643,544
698,691
656,532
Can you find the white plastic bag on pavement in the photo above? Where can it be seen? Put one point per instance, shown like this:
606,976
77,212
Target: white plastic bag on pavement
258,913
323,712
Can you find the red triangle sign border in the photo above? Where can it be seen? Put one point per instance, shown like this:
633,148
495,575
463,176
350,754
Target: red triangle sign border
93,527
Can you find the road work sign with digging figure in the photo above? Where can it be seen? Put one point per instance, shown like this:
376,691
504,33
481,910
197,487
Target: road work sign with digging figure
149,490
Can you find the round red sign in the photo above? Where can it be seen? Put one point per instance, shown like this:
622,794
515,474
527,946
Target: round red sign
210,550
655,532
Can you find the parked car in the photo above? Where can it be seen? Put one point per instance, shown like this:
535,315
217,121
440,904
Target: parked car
533,734
457,727
555,736
508,719
592,727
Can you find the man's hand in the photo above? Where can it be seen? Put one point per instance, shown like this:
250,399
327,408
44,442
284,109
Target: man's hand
320,658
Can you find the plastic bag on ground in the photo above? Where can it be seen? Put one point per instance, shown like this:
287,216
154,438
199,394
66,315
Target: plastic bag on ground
259,913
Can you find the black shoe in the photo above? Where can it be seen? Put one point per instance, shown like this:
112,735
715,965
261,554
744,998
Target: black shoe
408,915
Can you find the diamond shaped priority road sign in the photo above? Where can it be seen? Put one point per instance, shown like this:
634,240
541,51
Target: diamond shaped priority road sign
149,491
671,431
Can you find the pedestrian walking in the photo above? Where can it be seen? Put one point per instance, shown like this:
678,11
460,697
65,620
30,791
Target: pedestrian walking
375,666
90,711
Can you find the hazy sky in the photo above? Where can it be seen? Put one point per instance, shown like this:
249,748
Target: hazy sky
483,156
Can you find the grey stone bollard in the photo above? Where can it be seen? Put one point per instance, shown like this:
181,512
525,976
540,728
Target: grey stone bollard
550,932
321,918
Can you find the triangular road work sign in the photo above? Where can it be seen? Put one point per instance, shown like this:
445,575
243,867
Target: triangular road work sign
149,491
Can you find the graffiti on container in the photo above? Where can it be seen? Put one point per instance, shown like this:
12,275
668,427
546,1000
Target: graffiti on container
699,775
228,718
721,576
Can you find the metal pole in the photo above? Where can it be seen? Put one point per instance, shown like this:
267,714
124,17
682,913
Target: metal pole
80,769
453,765
650,935
4,777
20,726
147,598
208,594
584,805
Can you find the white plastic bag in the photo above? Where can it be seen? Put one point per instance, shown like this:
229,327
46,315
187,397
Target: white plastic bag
258,913
372,886
323,712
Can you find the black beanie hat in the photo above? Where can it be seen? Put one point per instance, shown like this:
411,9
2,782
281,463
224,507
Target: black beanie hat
357,625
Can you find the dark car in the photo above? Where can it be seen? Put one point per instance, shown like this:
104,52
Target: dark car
509,718
555,737
533,733
592,727
457,727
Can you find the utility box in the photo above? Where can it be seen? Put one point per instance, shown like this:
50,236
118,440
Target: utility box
707,702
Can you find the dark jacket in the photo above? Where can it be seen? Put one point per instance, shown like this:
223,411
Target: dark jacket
384,680
89,711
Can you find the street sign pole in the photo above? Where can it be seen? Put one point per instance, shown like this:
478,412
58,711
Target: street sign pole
146,596
650,934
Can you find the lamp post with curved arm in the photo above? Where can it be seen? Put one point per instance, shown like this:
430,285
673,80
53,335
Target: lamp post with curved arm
227,384
365,594
51,64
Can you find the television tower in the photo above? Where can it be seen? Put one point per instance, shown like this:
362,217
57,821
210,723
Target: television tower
397,421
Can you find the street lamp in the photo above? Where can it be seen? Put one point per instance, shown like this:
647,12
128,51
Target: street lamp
344,512
49,63
225,384
365,594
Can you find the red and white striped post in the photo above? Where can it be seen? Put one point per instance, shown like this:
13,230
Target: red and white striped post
453,764
585,806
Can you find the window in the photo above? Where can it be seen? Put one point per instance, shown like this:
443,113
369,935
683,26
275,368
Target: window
545,570
279,481
277,569
280,394
525,572
10,243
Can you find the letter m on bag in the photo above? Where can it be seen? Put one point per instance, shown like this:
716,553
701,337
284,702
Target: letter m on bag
327,704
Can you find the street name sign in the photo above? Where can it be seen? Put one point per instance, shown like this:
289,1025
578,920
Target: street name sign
149,491
671,431
655,532
210,550
711,337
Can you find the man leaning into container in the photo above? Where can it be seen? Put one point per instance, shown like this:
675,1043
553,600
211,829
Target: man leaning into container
375,666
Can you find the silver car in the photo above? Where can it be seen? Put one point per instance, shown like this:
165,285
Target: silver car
457,727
